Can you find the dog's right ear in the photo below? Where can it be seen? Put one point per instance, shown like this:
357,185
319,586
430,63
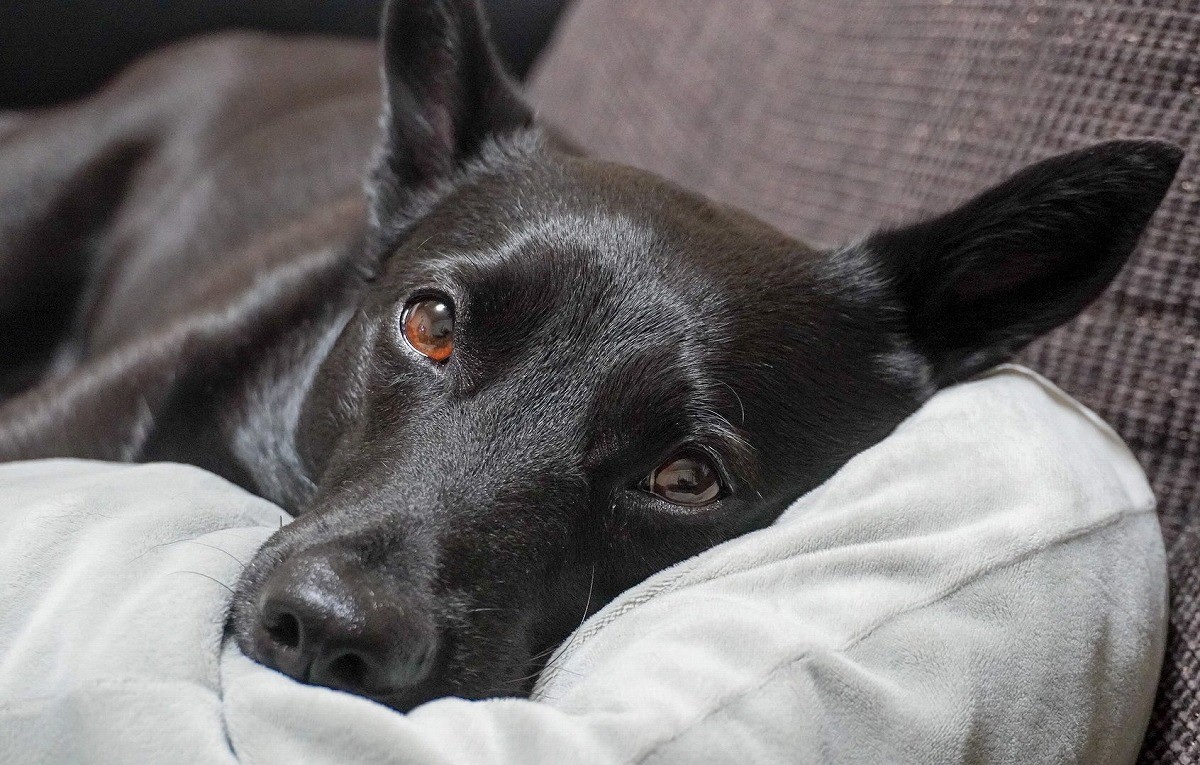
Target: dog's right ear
445,91
981,281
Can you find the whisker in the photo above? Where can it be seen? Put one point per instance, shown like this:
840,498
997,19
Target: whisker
151,549
206,576
736,396
574,634
218,549
543,654
535,674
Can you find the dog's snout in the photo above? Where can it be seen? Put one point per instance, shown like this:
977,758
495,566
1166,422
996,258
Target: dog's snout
328,623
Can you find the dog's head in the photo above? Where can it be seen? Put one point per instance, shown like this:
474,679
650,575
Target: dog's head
561,376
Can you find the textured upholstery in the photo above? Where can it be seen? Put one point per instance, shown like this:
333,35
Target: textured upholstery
830,118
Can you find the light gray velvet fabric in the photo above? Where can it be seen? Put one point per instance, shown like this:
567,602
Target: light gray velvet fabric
987,584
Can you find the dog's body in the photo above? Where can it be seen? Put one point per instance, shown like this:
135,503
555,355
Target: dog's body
216,183
504,384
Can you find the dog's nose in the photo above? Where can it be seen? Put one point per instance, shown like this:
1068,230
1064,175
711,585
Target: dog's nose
325,622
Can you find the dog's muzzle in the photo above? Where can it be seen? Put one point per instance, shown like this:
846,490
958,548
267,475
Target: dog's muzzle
322,620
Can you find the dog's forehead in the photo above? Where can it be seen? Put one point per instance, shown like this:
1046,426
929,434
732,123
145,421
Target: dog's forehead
606,239
584,271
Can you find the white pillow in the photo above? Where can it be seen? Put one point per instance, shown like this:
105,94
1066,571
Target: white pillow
987,584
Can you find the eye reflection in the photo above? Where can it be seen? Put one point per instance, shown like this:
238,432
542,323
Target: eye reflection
688,478
429,328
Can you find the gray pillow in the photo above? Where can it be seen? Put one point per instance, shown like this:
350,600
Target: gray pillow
987,584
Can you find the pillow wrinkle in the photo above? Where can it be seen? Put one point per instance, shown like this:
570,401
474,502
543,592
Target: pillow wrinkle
866,633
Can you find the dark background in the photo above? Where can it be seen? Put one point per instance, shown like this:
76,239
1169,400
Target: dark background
54,50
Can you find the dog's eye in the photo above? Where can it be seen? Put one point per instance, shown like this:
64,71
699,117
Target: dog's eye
687,478
429,328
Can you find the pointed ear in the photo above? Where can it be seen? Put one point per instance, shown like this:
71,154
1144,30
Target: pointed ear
445,92
982,281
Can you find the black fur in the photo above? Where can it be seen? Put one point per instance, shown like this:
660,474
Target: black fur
470,514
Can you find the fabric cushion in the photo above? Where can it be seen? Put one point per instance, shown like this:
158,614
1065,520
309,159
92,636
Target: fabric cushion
829,119
987,584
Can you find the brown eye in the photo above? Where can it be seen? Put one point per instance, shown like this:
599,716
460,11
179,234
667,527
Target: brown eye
687,478
429,328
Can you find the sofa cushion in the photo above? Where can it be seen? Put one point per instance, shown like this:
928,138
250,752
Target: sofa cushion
987,584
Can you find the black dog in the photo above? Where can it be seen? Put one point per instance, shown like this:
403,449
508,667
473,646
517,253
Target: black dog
512,382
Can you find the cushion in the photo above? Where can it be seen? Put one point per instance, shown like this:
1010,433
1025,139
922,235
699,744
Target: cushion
986,584
828,119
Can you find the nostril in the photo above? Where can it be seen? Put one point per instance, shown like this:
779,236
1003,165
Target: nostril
284,629
348,671
321,620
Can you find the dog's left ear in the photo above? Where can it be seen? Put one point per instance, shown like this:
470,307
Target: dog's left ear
980,282
445,90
